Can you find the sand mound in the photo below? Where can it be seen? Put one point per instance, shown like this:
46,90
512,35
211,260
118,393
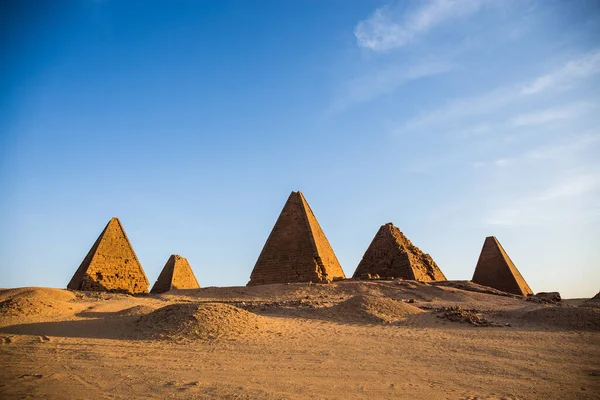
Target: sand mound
372,309
34,301
198,321
576,318
135,310
473,287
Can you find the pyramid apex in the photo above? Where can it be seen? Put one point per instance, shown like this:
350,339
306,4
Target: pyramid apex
111,264
176,274
402,259
296,250
495,269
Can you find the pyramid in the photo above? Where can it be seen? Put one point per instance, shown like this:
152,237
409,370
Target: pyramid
111,264
176,274
297,249
596,297
392,255
495,269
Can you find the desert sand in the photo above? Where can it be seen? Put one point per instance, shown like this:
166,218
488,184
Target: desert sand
345,340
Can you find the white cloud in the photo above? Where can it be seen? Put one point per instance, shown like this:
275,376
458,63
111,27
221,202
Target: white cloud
368,87
563,78
544,117
573,72
565,200
387,29
566,150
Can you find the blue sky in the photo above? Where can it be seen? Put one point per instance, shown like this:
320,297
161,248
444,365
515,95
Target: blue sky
192,121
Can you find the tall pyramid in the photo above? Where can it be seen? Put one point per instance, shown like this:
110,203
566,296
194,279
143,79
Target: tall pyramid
495,269
392,255
111,264
297,249
176,274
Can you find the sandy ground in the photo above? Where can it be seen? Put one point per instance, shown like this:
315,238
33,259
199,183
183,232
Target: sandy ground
347,340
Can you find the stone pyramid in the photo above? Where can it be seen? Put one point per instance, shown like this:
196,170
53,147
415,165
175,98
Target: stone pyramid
596,297
176,274
297,249
392,255
111,264
495,269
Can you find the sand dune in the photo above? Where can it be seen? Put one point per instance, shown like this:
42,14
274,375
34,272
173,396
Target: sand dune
346,340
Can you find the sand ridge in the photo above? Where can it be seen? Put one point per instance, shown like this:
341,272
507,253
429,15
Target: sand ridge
348,339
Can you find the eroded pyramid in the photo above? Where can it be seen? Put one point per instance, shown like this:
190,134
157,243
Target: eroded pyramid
297,249
392,255
176,274
495,269
111,264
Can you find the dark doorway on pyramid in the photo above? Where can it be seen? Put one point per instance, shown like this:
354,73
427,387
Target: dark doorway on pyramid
111,264
297,249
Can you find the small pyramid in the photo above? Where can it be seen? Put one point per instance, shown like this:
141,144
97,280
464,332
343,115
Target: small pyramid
176,274
596,297
392,255
495,269
111,264
297,249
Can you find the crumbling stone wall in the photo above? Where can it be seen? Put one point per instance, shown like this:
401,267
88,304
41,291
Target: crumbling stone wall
297,249
392,255
495,269
176,274
111,264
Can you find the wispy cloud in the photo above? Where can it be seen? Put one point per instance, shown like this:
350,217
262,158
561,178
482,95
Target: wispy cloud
549,115
493,101
557,152
569,74
564,201
387,28
369,87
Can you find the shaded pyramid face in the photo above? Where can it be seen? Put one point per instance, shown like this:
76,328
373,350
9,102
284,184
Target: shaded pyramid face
111,264
597,296
176,274
392,255
495,269
297,249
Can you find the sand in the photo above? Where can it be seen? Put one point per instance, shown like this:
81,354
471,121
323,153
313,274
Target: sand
346,340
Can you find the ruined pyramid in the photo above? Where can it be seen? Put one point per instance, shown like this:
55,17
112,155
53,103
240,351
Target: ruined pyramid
111,264
176,274
495,269
297,249
392,255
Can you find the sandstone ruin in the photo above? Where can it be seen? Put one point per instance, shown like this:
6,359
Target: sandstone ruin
297,249
111,264
495,269
392,255
176,274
